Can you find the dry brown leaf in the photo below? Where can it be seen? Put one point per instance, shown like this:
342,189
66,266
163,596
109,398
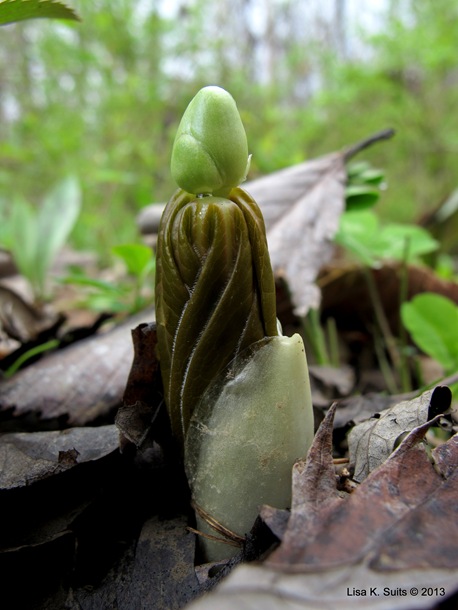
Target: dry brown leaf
163,575
29,457
79,383
20,319
329,383
142,397
372,441
391,544
402,486
357,408
301,207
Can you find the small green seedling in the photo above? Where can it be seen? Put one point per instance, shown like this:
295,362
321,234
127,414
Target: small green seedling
372,243
29,354
361,232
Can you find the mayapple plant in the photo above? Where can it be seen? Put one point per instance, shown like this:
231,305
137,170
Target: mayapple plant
237,391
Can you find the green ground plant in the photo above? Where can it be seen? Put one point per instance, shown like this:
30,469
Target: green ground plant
34,236
130,294
366,239
432,321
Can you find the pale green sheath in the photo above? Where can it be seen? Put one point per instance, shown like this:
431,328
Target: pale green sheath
236,391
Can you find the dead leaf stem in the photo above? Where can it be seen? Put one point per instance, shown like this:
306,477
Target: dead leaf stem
354,149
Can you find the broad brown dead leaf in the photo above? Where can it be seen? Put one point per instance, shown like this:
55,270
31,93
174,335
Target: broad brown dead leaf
79,383
355,409
396,533
301,207
163,575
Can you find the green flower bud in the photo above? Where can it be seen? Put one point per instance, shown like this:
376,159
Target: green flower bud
215,293
210,153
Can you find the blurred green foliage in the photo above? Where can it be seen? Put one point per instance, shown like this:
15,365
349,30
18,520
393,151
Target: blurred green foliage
102,99
34,236
131,293
432,321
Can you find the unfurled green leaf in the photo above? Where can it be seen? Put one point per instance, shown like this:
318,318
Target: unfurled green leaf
363,186
432,321
35,236
361,196
23,237
405,242
354,229
356,168
12,11
372,176
56,219
138,258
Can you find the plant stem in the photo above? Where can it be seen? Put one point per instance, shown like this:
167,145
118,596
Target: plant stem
314,333
406,384
384,364
333,341
381,319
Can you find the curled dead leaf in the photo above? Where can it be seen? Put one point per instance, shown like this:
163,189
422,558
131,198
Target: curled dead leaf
372,441
21,320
